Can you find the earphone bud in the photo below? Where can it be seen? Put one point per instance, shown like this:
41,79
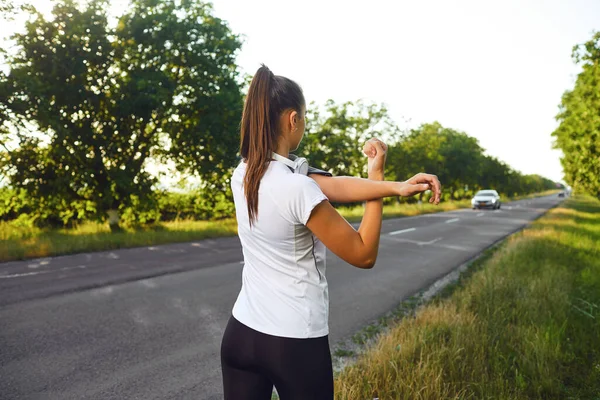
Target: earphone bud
299,164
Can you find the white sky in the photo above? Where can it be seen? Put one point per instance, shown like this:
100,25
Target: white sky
495,70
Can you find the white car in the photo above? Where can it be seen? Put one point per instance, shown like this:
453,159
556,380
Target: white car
486,199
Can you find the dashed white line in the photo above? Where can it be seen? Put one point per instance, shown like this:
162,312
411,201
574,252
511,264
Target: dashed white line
402,231
452,220
41,272
24,274
480,214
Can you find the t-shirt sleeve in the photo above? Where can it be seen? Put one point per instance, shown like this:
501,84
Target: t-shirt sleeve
301,198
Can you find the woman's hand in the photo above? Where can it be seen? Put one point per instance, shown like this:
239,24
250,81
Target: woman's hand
420,183
376,151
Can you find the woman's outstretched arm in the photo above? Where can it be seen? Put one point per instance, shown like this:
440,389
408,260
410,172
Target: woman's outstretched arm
349,189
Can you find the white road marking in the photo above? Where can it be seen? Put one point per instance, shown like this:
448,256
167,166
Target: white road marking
148,283
402,231
452,247
174,251
430,242
452,220
417,242
25,274
480,214
40,272
444,246
102,291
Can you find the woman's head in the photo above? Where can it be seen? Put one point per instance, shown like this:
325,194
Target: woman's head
273,106
273,115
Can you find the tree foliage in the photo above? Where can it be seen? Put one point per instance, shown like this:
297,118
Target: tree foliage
578,135
459,162
336,133
88,104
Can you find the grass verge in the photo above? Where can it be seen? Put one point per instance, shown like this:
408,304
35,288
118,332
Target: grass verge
23,243
524,324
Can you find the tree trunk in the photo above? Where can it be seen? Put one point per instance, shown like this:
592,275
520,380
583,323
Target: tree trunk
113,220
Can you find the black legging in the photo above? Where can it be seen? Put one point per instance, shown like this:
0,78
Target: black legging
252,362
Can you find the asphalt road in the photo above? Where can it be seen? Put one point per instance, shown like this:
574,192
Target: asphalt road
146,323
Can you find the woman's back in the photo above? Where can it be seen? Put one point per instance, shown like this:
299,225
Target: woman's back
284,289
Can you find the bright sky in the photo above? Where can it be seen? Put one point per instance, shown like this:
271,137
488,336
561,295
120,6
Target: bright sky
495,70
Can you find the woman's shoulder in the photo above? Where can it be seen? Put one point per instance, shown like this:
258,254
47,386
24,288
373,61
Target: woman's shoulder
294,181
238,172
293,188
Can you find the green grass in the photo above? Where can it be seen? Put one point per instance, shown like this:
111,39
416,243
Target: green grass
522,324
23,243
19,242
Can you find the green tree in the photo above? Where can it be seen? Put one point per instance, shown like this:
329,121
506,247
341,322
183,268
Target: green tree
89,104
578,135
494,174
336,134
453,156
419,151
6,9
463,157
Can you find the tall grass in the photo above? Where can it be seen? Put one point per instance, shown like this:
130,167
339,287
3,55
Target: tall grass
526,325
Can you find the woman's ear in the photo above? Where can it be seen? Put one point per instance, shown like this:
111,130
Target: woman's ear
293,121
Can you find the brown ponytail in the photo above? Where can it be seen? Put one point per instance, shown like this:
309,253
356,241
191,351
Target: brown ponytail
268,96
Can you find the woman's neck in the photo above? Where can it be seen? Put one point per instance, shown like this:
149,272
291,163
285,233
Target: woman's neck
283,149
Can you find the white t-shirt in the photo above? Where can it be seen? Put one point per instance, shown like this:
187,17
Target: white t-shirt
284,290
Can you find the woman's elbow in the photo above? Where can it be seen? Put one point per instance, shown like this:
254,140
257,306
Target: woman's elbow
366,263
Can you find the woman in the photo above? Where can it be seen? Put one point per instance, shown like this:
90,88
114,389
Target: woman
278,332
